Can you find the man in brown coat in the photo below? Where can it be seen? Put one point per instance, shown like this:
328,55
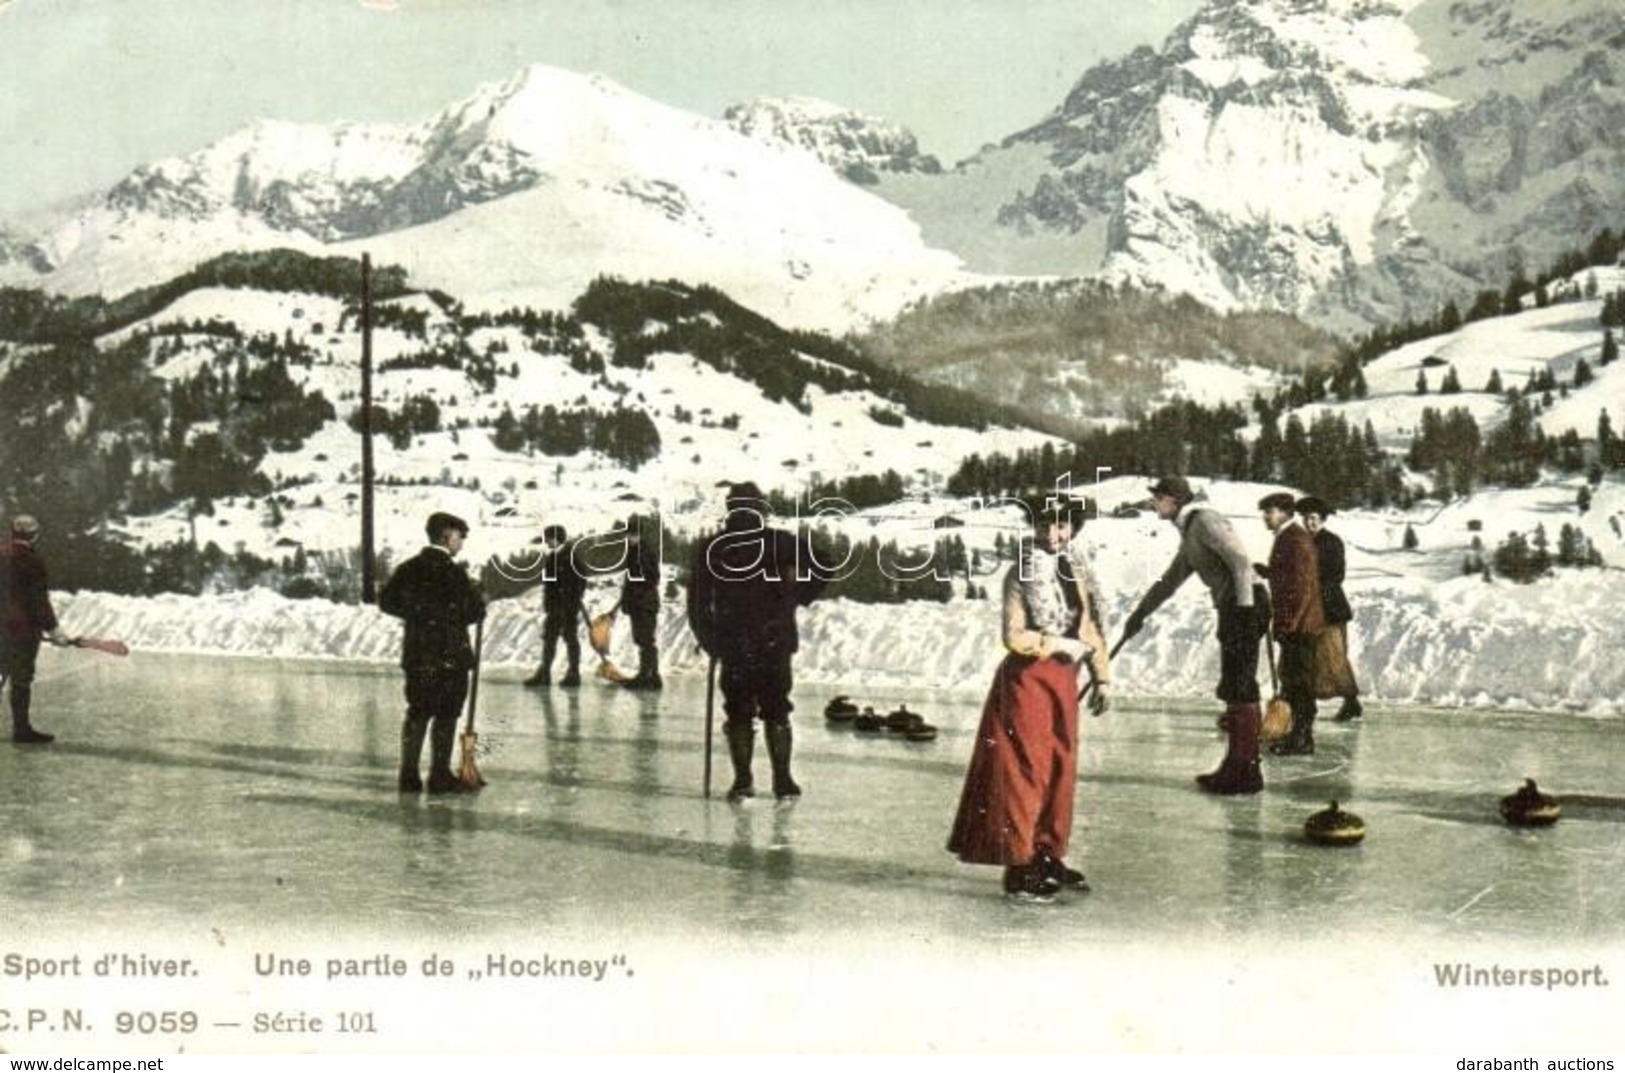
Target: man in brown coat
1297,617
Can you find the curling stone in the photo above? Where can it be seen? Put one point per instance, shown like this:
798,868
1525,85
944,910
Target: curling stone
901,720
1334,827
868,722
1529,807
841,710
921,731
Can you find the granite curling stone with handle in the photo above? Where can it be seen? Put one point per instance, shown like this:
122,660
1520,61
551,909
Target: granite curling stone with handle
1529,807
1334,827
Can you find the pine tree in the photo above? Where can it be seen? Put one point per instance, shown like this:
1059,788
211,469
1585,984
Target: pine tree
1610,348
1451,385
1582,373
1449,317
1582,499
1421,382
1493,384
1410,542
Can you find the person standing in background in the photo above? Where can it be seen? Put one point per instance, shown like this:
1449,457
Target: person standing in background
563,590
1334,675
640,599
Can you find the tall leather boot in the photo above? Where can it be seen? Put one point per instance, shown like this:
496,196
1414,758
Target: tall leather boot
779,737
22,731
1238,772
1300,740
648,676
442,739
741,743
413,731
572,673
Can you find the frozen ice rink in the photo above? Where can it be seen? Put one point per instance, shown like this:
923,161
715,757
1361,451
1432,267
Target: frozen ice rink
203,800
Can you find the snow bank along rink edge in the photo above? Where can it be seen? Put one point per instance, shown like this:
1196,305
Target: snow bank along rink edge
1459,643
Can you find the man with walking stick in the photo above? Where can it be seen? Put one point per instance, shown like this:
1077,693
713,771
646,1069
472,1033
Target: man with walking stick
747,582
438,602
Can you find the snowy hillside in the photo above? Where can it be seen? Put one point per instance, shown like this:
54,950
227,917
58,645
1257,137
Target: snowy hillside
710,425
1457,642
1517,349
521,194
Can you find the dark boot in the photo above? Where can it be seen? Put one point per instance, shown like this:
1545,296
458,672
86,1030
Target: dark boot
572,677
442,739
1238,772
648,676
741,743
778,737
1054,868
1350,710
1028,883
412,734
22,731
1300,740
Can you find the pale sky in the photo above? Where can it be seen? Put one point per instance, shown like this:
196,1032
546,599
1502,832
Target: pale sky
91,88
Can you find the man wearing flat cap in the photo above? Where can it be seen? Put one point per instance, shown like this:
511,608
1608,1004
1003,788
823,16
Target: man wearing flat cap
747,582
1210,548
438,602
1297,617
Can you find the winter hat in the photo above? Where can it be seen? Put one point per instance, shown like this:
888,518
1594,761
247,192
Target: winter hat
743,494
554,532
25,525
1278,501
1314,505
440,521
1173,485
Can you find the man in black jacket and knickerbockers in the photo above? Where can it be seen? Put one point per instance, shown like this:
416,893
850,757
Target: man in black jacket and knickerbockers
747,583
640,599
438,602
564,589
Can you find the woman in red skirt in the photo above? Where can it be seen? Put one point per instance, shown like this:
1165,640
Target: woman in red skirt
1016,807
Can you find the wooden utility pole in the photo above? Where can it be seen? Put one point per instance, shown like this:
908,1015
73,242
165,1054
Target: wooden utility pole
369,568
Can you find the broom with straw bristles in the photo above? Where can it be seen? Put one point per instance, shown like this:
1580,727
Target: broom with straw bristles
468,775
598,631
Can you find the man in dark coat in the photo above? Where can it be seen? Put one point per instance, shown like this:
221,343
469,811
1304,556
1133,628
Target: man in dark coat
1334,676
1210,548
640,599
438,602
1297,618
747,583
564,587
26,618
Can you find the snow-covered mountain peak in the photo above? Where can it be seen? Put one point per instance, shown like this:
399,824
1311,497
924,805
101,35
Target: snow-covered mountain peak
857,146
527,189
